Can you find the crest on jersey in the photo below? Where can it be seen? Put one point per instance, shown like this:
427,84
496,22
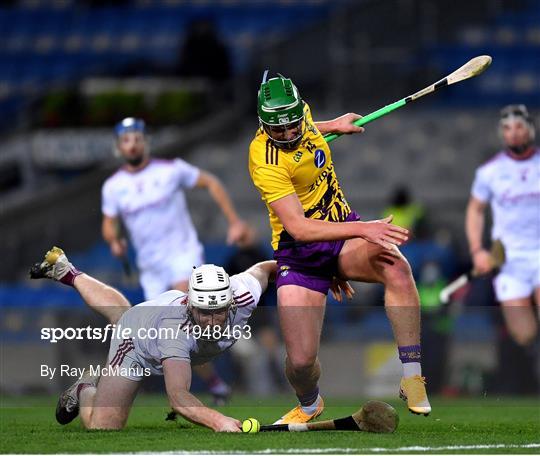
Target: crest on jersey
320,158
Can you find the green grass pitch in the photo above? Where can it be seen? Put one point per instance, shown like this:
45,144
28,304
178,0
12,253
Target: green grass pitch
486,425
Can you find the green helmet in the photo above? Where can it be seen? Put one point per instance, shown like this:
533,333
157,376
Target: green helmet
280,108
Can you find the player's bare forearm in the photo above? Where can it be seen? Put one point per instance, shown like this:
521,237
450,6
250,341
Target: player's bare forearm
264,272
474,224
310,230
290,212
187,405
177,382
109,229
320,230
341,125
219,195
474,228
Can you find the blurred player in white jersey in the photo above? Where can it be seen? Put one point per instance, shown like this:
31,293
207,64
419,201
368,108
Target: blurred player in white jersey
510,184
214,301
148,196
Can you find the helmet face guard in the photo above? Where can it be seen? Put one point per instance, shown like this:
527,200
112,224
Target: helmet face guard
211,323
211,304
291,132
281,111
517,113
124,127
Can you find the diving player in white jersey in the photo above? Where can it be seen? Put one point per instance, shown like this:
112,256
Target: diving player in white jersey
510,184
167,336
148,196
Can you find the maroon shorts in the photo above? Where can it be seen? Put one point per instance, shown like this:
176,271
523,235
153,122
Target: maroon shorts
310,265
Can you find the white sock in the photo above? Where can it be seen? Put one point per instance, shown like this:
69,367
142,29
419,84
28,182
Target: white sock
412,369
311,409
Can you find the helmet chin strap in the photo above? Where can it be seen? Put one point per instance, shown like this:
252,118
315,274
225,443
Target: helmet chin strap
519,150
135,161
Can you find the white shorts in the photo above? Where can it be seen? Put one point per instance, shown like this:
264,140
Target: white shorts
519,276
175,268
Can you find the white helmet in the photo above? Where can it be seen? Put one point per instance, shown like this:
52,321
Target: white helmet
517,113
210,288
210,292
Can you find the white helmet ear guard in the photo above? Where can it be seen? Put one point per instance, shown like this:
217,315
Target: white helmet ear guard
210,288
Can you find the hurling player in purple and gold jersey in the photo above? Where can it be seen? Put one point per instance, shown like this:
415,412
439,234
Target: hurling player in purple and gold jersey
320,243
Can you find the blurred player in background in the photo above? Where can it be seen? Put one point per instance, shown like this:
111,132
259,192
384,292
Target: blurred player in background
147,195
510,184
213,300
318,239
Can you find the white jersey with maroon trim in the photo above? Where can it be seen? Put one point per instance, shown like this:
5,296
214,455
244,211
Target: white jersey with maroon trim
161,329
152,204
512,187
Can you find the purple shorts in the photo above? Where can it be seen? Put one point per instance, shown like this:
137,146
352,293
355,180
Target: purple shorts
310,265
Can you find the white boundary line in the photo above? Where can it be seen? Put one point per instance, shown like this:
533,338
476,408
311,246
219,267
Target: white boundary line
337,451
287,451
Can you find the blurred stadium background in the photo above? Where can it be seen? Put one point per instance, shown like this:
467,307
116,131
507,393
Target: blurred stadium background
69,70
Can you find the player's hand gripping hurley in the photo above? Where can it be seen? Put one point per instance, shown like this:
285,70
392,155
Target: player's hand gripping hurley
497,260
472,68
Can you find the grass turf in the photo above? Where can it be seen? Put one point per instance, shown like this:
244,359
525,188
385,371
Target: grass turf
29,426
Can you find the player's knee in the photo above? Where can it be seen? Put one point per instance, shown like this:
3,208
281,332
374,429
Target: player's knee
105,426
105,421
399,274
302,361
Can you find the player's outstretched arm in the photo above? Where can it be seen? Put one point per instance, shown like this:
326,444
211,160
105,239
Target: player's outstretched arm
290,212
341,125
177,383
237,227
264,272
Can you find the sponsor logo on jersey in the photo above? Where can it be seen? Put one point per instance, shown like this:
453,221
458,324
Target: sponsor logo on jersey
320,158
321,178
